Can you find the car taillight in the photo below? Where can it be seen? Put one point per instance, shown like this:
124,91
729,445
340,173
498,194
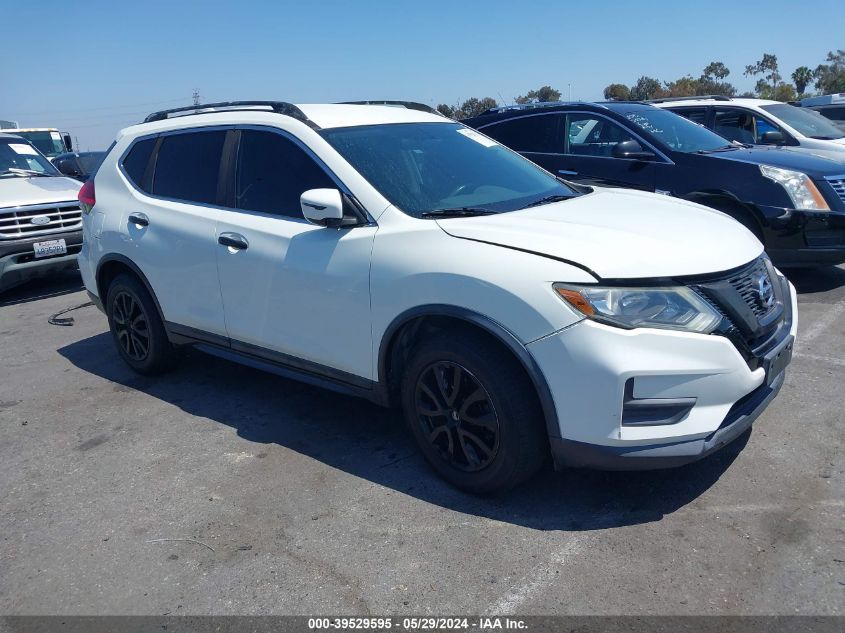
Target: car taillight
86,196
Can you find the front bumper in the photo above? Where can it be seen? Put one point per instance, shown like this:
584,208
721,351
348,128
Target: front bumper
595,371
805,238
18,263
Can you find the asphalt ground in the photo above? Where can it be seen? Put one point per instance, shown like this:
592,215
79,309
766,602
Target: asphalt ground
220,489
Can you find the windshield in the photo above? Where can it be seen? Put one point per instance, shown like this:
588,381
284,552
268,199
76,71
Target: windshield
21,155
48,143
679,133
423,168
807,122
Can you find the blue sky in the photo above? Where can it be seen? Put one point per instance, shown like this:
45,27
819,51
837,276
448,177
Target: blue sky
91,68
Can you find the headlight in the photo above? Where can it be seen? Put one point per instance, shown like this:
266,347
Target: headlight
802,191
676,308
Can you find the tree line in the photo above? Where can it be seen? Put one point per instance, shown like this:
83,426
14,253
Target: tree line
827,78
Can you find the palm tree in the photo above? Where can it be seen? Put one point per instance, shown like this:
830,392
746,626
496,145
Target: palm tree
802,78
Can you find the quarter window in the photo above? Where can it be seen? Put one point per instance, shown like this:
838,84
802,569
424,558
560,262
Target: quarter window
188,165
594,136
135,163
537,133
273,172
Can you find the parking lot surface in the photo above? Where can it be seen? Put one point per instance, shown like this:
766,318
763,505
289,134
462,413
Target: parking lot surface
219,489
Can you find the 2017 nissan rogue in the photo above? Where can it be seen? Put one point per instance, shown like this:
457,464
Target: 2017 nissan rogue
391,253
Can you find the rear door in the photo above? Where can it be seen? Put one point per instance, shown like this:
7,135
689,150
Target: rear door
168,225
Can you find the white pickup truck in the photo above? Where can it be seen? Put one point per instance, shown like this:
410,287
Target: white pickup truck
40,218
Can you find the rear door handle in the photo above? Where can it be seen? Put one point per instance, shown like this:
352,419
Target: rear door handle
139,219
233,240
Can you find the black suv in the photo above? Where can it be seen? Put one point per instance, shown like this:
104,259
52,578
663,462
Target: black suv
793,201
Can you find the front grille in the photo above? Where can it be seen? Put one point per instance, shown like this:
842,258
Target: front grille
16,222
838,184
747,284
753,321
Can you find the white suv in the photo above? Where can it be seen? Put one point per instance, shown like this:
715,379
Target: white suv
394,254
762,122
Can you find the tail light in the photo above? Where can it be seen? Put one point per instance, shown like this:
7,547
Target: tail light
86,196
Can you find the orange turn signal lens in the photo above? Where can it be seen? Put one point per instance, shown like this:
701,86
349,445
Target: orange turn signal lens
576,299
818,198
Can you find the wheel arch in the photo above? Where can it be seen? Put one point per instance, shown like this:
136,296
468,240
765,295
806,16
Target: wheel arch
403,331
730,205
112,265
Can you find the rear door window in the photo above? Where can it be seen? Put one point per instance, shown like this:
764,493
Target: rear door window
696,115
273,172
537,133
188,165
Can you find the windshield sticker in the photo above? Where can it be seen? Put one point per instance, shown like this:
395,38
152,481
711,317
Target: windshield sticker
55,136
20,148
478,138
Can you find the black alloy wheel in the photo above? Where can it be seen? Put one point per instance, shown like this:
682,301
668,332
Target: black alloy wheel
457,415
137,328
131,326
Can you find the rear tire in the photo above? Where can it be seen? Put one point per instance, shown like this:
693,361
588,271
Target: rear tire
136,327
474,413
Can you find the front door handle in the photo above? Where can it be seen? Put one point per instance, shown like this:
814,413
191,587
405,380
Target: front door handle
233,240
139,219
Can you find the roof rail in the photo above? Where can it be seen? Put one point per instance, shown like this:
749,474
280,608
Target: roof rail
410,105
693,98
541,104
279,107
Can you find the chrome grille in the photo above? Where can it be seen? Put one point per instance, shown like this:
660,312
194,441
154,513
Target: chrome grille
838,184
16,222
746,283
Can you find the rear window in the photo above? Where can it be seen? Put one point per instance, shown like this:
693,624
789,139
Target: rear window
188,165
135,163
538,133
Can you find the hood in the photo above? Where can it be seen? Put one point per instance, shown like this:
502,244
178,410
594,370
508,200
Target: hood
804,160
620,234
830,152
16,191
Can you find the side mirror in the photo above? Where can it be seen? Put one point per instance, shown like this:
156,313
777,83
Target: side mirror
772,137
322,206
67,141
631,150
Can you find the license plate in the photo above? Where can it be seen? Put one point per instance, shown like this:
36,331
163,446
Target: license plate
50,248
776,364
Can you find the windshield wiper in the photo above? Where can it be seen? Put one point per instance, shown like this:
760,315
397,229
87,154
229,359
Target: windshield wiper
724,148
458,212
826,138
547,200
17,171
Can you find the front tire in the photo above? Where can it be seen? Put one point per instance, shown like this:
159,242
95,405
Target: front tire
474,413
136,327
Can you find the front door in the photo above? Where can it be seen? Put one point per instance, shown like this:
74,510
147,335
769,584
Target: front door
588,155
292,291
